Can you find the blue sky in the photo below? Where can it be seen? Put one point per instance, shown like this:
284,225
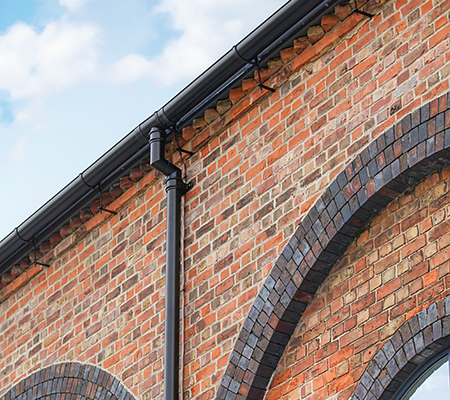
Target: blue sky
78,75
436,387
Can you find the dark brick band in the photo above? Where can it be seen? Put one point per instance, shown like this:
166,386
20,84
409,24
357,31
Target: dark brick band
418,339
69,381
397,160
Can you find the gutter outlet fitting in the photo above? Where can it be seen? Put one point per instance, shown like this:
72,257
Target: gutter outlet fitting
175,188
157,150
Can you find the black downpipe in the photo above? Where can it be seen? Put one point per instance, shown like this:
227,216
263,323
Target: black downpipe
175,188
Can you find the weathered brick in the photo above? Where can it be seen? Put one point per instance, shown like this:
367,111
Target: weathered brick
315,33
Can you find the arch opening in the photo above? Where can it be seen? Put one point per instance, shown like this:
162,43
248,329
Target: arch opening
431,379
415,347
69,381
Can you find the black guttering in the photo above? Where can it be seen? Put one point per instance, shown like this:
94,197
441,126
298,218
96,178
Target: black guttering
277,31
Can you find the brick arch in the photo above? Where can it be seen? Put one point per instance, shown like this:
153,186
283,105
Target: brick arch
395,161
416,341
69,381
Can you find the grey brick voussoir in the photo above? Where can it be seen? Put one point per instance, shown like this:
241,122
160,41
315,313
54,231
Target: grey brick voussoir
416,341
74,378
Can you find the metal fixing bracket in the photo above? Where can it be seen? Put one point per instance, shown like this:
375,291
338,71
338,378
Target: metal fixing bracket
356,10
100,189
33,243
255,63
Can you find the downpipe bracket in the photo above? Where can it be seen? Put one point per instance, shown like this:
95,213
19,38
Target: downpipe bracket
188,186
175,181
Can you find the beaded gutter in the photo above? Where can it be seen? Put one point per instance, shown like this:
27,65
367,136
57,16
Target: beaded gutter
276,33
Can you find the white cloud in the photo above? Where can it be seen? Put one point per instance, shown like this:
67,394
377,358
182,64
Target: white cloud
19,152
39,65
128,69
35,66
73,4
207,30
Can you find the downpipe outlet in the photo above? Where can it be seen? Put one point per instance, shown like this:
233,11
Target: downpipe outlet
175,188
157,149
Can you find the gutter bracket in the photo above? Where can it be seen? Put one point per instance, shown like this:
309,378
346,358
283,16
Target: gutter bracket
356,10
106,210
101,208
260,84
191,153
100,189
33,243
179,148
255,63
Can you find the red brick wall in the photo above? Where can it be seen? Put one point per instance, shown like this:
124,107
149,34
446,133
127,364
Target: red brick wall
261,161
397,267
290,147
